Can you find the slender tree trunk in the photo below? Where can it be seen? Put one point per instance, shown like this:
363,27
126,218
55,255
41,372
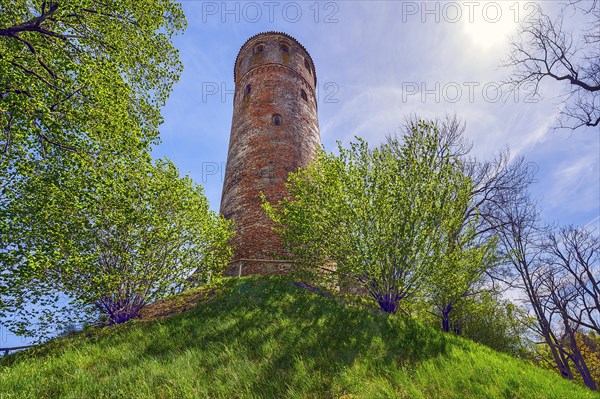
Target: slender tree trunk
581,366
446,324
562,363
577,357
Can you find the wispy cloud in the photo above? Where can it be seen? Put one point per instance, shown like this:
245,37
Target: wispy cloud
387,60
577,176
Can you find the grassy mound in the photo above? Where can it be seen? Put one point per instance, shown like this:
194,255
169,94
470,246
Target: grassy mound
268,338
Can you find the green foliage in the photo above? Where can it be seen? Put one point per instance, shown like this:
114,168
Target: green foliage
589,344
383,217
113,233
74,74
459,274
80,82
270,339
497,323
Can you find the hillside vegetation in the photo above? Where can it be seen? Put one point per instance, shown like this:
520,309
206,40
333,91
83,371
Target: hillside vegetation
268,338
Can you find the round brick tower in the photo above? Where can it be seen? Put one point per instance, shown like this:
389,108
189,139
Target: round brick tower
274,131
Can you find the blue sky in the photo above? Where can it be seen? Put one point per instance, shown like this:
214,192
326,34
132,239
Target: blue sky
376,63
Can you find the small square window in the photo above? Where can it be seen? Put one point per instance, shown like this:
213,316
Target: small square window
277,120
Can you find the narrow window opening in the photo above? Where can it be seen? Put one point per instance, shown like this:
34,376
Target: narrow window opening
303,94
277,120
307,66
285,48
248,89
259,48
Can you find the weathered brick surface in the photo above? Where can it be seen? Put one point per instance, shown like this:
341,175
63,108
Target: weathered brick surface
274,131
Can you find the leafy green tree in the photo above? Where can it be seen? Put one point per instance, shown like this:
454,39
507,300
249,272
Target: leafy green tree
114,234
495,322
74,74
80,82
458,276
471,264
376,216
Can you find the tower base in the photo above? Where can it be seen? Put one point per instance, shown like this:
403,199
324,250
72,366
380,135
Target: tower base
245,267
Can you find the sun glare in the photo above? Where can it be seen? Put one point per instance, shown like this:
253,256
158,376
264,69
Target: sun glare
492,22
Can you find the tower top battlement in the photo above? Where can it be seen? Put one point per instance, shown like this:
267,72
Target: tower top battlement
249,55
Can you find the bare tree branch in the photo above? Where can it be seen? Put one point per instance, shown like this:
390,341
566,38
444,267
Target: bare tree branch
546,50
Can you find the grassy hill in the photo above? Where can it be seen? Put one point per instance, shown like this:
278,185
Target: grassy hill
268,338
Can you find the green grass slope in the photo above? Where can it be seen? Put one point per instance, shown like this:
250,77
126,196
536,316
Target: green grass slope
267,338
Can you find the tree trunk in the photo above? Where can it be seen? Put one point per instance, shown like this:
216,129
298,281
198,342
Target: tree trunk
446,324
561,362
577,357
388,303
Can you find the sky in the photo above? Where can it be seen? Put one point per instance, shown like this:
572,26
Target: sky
378,62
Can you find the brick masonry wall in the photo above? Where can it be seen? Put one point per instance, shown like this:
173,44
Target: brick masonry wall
274,131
